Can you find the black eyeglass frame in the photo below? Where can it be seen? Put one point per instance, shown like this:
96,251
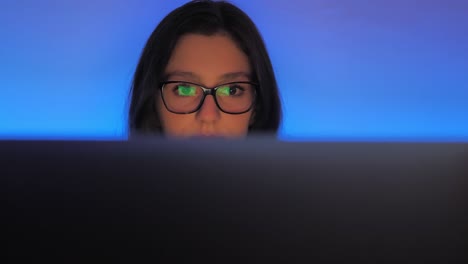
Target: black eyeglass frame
209,91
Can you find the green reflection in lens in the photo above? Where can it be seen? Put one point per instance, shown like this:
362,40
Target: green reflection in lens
185,90
224,91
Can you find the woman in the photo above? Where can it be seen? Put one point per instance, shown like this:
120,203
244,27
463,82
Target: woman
204,72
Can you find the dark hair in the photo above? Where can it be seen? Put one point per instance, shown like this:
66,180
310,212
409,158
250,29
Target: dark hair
207,18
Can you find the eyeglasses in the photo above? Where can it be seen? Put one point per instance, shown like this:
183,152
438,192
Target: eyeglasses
185,97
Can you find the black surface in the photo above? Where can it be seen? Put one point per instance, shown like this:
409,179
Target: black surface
234,201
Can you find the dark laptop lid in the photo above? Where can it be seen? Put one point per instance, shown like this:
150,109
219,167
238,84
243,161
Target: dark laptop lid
255,199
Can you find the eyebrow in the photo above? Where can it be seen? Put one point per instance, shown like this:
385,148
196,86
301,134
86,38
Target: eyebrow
225,77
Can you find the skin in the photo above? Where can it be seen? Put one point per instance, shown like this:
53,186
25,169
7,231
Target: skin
208,61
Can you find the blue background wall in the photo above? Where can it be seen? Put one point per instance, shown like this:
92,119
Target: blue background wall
347,70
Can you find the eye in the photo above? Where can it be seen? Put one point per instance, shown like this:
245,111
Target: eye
185,90
230,90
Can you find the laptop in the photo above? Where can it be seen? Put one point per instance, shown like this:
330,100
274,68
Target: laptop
259,199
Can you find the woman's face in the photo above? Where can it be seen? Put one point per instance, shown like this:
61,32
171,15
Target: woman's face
208,61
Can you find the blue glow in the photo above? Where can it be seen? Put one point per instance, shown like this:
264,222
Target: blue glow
348,70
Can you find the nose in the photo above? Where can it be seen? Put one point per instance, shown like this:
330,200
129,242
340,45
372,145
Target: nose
209,111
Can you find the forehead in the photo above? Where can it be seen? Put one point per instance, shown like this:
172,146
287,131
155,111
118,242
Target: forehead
207,57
